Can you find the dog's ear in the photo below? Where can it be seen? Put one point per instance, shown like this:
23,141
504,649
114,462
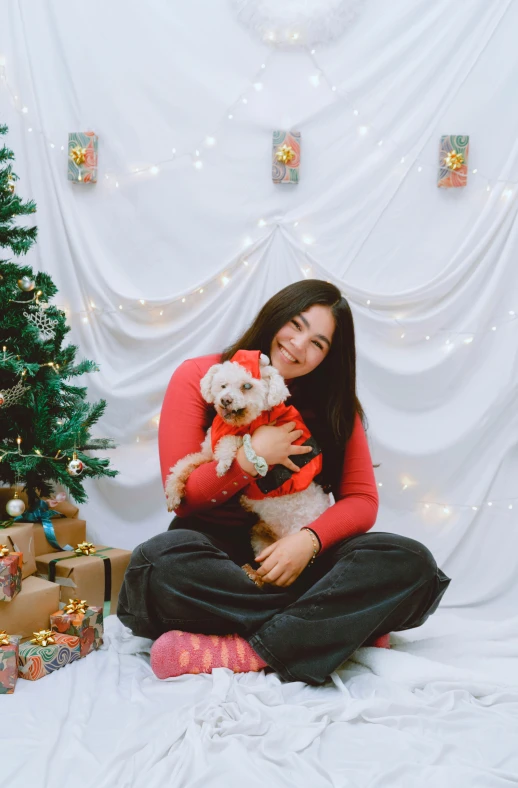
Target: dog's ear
277,388
206,383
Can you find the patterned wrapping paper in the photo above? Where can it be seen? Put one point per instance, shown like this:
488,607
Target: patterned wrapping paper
35,662
88,627
453,161
10,576
286,144
9,665
82,157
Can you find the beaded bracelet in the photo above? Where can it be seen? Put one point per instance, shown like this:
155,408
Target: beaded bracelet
316,544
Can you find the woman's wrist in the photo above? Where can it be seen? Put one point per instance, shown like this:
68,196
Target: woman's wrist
244,463
315,544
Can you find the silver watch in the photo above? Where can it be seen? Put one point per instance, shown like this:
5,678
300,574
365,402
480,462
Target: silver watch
259,463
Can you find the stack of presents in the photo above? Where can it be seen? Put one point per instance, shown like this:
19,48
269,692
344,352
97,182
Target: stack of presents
55,590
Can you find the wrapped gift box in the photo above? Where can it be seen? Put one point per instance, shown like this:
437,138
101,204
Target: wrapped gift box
82,157
20,539
68,530
31,609
87,626
286,156
453,161
8,663
87,576
35,661
10,575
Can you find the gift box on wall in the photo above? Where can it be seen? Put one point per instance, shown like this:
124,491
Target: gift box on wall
10,574
82,620
453,161
36,661
286,156
68,530
20,539
82,157
9,645
31,609
97,577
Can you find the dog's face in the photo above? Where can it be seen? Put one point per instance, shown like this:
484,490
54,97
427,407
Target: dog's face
238,397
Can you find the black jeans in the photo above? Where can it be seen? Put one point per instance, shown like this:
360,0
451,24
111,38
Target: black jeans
190,578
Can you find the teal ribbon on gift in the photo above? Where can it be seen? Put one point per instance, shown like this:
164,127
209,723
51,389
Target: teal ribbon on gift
107,574
42,513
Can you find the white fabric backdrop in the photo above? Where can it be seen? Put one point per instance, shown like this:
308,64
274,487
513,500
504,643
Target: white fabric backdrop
367,214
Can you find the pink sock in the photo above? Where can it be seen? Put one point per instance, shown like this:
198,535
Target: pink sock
176,653
382,642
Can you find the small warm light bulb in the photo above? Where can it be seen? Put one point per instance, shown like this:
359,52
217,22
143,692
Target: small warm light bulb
92,304
258,86
225,280
510,506
507,193
512,312
419,169
333,88
142,301
355,112
18,440
468,340
245,262
173,150
403,336
295,224
427,506
363,130
116,184
161,312
446,510
198,164
315,80
405,487
197,152
427,337
263,65
85,320
210,141
261,223
489,503
307,239
154,170
380,143
368,302
493,328
201,290
248,241
245,101
475,508
52,145
474,171
295,36
183,300
230,117
25,110
402,160
380,484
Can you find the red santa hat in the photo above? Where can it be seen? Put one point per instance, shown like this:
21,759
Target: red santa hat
249,359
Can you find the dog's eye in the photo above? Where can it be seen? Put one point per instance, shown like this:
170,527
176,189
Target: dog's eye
223,385
247,386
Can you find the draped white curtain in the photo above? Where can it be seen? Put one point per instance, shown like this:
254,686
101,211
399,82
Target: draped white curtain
186,94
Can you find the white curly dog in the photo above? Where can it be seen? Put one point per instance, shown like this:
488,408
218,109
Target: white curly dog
239,399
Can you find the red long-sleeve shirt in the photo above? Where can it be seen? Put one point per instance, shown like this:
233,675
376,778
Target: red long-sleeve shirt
184,420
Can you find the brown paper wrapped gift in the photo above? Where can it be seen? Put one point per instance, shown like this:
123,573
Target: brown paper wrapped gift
31,609
66,508
84,577
68,530
20,539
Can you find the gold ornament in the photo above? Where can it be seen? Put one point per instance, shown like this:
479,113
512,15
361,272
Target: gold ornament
78,154
4,551
454,160
85,548
285,154
45,637
4,638
76,605
26,284
10,184
75,466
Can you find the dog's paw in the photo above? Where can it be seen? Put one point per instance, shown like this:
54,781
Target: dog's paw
252,574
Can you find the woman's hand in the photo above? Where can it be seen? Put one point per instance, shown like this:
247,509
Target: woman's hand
284,560
275,444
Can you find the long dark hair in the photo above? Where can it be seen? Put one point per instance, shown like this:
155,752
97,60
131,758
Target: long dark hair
330,389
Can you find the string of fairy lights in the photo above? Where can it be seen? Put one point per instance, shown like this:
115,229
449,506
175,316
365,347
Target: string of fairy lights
368,132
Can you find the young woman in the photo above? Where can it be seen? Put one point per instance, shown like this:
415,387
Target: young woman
330,588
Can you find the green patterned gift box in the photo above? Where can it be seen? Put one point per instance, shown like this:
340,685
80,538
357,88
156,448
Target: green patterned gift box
46,652
82,157
82,620
9,645
286,156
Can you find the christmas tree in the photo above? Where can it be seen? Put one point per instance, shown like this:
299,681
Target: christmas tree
45,421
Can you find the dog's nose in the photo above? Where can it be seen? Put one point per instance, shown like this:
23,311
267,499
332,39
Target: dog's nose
226,402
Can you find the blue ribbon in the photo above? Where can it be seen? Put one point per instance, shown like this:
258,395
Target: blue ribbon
42,513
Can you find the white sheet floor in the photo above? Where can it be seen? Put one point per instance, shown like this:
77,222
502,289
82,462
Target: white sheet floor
439,709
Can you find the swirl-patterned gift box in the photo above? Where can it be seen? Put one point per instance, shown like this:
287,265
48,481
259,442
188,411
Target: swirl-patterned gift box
453,161
10,574
86,624
36,661
9,645
286,156
82,157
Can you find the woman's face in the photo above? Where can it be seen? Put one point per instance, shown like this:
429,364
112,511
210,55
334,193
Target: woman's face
303,343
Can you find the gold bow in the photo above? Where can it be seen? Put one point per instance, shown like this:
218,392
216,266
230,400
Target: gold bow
4,550
76,606
454,160
4,638
45,637
78,154
285,154
85,548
